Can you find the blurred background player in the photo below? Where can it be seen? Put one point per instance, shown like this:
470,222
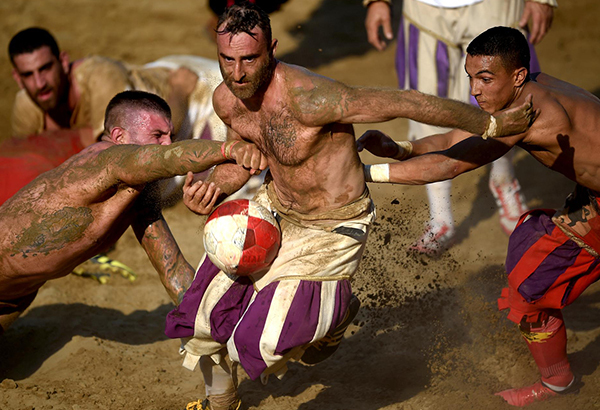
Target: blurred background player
432,38
57,93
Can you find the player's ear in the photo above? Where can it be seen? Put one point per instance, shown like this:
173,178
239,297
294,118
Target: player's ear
63,57
273,47
17,78
118,135
520,76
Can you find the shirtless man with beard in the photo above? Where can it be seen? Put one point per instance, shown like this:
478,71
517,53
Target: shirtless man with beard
302,122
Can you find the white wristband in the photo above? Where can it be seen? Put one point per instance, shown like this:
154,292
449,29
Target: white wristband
406,148
377,173
491,129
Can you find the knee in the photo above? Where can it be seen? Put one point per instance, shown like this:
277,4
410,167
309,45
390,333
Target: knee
547,327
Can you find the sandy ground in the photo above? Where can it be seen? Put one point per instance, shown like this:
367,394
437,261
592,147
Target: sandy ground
428,335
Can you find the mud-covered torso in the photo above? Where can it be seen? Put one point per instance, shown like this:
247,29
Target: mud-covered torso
315,168
61,219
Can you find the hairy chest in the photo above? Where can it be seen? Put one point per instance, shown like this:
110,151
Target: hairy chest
278,132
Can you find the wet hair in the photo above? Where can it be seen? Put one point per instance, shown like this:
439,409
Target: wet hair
121,105
243,17
507,43
29,40
269,6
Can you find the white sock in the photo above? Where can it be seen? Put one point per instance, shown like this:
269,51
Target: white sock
502,170
218,378
440,208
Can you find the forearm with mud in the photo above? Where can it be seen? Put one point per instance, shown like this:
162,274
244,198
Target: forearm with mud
137,165
229,178
378,105
174,271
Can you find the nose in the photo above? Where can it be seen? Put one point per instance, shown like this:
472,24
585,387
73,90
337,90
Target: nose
40,80
165,140
238,72
474,88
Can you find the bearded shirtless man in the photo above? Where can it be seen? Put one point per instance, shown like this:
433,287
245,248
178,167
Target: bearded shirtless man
552,256
302,123
69,214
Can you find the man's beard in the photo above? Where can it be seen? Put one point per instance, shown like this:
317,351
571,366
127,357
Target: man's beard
252,84
49,104
59,96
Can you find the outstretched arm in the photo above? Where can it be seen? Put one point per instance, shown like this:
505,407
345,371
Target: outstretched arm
321,101
138,165
435,158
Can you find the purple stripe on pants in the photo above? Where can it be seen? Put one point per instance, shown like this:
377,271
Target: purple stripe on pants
555,264
298,329
523,240
249,331
442,61
413,54
534,63
180,321
230,308
525,236
224,316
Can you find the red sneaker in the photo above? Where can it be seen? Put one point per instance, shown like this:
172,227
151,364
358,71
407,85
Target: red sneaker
510,202
527,395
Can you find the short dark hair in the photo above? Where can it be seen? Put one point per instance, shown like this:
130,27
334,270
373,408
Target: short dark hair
122,104
507,43
29,40
243,17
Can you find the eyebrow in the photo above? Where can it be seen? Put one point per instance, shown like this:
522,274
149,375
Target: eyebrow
42,67
255,55
484,72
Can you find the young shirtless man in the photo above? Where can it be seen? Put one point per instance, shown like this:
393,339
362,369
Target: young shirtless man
69,214
57,93
302,122
552,256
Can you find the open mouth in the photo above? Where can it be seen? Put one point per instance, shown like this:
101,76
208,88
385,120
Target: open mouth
44,94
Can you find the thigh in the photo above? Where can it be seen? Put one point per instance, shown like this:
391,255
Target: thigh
211,307
545,267
283,317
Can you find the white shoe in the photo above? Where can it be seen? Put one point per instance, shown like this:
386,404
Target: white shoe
511,203
435,240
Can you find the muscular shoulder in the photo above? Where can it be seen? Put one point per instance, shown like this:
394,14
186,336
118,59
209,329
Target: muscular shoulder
314,99
554,116
93,66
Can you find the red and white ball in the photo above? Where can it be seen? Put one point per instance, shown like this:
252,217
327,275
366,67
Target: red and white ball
241,237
